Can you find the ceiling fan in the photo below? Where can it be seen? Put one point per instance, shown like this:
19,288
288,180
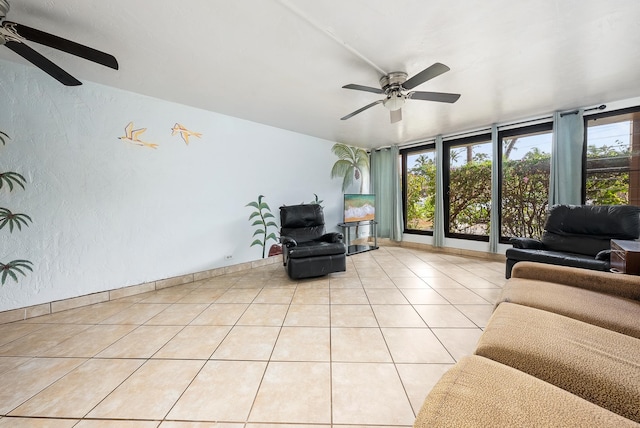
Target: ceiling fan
395,86
13,36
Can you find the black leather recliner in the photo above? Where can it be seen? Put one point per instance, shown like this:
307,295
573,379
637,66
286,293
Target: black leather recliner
307,250
578,236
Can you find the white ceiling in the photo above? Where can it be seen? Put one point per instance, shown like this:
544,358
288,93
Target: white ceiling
283,62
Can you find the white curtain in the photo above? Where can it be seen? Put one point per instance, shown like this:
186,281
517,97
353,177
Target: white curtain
565,182
438,221
494,231
385,183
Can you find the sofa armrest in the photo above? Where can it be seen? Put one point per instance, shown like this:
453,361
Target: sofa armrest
288,242
604,255
527,243
603,282
331,237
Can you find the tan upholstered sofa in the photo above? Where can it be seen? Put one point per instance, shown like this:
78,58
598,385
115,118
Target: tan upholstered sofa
562,348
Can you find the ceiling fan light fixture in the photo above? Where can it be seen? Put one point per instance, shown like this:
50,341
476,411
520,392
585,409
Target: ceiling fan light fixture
394,101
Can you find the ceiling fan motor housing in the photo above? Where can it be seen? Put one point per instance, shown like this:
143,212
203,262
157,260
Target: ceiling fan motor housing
392,86
391,81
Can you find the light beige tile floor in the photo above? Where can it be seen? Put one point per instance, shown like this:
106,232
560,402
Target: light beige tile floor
254,349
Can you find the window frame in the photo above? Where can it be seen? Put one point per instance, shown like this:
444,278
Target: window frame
523,130
586,119
404,153
446,183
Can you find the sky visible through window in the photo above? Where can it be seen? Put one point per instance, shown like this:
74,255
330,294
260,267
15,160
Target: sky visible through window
598,135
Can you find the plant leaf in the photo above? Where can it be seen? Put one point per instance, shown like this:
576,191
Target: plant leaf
258,223
268,215
10,269
10,178
254,214
271,236
256,242
252,204
343,151
258,232
340,168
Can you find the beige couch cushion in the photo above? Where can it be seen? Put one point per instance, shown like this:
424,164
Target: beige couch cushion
604,310
478,392
605,282
599,365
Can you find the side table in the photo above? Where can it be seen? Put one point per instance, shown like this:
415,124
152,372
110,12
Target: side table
625,256
355,249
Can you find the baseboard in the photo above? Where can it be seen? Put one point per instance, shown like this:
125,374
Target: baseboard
21,314
454,251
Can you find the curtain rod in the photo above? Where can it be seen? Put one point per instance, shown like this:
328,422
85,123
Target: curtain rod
482,130
600,107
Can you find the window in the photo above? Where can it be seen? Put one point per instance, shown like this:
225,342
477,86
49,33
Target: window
612,162
419,183
467,184
611,175
524,184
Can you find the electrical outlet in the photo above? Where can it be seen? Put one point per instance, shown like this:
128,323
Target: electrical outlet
229,257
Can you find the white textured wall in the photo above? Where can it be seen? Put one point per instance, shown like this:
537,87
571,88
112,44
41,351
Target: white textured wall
108,214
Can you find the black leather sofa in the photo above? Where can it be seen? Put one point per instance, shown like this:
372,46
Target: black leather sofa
308,251
578,236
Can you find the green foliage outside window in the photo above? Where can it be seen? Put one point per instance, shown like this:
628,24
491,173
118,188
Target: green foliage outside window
608,174
525,190
470,198
525,194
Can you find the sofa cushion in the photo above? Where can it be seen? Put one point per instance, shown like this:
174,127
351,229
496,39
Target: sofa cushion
608,221
594,363
627,286
302,222
587,245
558,258
478,392
604,310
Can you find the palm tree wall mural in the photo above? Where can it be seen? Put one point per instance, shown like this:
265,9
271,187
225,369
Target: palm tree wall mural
11,180
352,164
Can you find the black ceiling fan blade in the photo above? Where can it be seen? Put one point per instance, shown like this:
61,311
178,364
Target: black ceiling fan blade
61,44
360,110
396,115
42,63
427,74
441,97
363,88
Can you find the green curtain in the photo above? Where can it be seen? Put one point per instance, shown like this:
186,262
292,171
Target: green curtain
565,182
494,231
385,183
438,220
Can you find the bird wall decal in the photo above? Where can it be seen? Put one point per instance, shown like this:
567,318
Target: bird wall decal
184,132
133,136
